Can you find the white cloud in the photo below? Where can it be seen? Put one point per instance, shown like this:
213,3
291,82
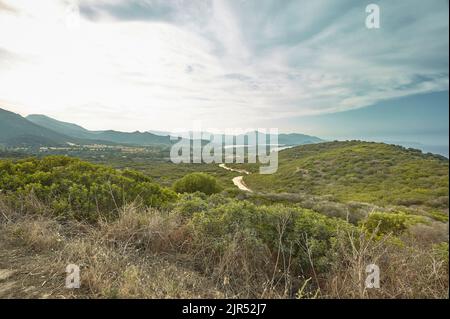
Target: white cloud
221,62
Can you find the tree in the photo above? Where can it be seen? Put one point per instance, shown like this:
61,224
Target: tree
197,182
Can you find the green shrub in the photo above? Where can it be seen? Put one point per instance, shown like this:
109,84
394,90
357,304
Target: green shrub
383,223
197,182
79,189
439,216
300,235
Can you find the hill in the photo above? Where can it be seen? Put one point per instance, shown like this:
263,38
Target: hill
74,130
135,239
288,139
18,131
58,126
298,139
368,172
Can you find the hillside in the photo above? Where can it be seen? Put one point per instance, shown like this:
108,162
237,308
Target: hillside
58,126
135,239
360,171
18,131
74,130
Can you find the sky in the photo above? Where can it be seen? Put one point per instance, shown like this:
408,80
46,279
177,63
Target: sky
299,66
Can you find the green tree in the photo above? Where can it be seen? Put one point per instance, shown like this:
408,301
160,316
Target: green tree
197,182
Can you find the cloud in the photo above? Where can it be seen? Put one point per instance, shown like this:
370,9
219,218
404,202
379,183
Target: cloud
5,7
155,64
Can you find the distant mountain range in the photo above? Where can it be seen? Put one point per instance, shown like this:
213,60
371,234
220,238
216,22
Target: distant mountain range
74,130
39,130
291,139
18,131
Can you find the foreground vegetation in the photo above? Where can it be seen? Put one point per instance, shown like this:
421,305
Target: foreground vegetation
79,189
135,239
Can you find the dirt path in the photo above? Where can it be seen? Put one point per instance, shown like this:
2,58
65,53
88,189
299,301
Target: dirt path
238,180
24,274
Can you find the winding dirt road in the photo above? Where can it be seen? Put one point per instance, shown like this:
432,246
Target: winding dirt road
238,180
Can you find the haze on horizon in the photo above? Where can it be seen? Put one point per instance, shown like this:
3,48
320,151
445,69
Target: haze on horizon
305,66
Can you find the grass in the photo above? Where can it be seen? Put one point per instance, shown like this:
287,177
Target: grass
150,253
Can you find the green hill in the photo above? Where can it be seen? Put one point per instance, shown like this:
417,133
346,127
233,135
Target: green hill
137,239
17,131
283,139
360,171
74,130
58,126
297,139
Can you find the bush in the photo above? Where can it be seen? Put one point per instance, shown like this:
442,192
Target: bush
390,223
197,182
277,233
73,188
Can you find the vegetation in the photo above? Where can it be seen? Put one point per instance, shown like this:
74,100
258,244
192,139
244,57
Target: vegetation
366,172
166,173
75,188
197,182
214,246
135,238
390,223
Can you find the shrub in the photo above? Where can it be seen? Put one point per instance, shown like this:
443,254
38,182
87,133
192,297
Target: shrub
430,233
78,189
385,223
197,182
289,241
439,216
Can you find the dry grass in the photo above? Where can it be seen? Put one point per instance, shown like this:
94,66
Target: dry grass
407,269
110,273
37,234
147,253
144,229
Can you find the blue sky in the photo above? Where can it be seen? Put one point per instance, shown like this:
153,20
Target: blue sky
418,121
421,118
306,66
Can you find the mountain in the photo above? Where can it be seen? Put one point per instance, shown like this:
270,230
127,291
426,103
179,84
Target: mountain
58,126
369,172
161,133
290,139
74,130
18,131
298,139
138,138
146,138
